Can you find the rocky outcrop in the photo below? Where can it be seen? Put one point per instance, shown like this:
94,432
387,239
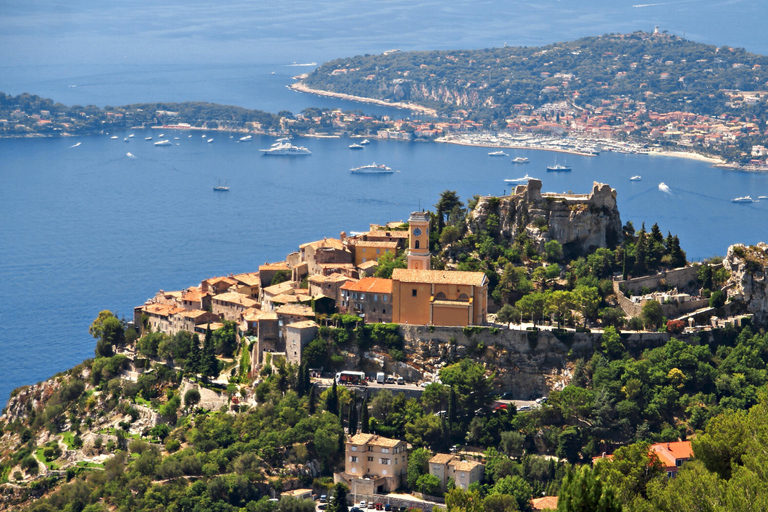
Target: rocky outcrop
580,222
747,284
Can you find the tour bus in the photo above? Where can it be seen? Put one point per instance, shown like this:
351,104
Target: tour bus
350,378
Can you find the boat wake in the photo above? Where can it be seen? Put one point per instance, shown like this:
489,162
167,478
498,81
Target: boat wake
519,180
665,188
130,155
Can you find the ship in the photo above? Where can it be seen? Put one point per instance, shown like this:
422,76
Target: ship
745,199
520,160
372,169
559,168
356,146
635,178
284,147
221,188
165,142
247,138
497,153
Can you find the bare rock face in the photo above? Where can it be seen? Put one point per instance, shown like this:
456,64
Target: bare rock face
580,222
748,266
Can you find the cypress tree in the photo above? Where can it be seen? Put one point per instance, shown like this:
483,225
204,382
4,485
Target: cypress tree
332,400
311,400
452,405
209,365
193,361
307,378
364,422
300,385
352,419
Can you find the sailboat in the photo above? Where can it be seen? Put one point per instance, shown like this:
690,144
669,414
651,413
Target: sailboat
221,188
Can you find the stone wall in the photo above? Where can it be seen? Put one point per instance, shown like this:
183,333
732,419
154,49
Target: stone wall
680,278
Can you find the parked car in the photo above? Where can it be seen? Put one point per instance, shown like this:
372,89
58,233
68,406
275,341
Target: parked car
387,507
400,381
541,400
362,505
322,506
323,498
355,509
524,408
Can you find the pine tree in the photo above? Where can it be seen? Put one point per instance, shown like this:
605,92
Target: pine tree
311,400
332,400
364,422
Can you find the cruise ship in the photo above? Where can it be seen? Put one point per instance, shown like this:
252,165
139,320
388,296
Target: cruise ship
284,147
372,169
165,142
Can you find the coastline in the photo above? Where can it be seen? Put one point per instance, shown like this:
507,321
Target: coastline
508,146
690,156
301,87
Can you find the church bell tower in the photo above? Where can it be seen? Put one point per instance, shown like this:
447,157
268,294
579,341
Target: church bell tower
418,242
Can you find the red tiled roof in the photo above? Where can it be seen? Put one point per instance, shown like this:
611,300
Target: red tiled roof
370,285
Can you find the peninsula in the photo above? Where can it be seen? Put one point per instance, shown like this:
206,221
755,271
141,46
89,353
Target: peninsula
483,352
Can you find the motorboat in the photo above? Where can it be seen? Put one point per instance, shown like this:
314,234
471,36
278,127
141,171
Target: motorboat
497,153
520,160
372,169
148,138
163,143
356,146
519,180
210,140
365,141
114,137
635,178
247,138
745,199
283,147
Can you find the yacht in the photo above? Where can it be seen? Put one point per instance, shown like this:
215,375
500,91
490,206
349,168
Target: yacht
745,199
210,140
163,143
161,136
221,188
372,169
520,160
284,147
519,180
356,146
365,141
762,197
125,139
559,168
148,138
130,136
115,137
497,153
635,178
247,138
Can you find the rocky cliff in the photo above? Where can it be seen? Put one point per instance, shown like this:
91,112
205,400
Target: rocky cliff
748,266
580,222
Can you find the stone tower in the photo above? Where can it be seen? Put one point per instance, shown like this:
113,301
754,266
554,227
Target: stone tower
418,242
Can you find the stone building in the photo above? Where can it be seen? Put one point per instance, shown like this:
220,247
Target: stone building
369,298
373,464
450,467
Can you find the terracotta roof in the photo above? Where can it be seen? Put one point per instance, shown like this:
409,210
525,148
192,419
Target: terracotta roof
304,324
285,298
192,313
236,298
295,310
464,465
336,265
212,325
297,492
279,265
370,243
366,265
162,309
390,234
268,316
544,503
441,458
227,280
193,294
277,289
249,279
374,440
668,453
438,277
370,285
330,243
332,278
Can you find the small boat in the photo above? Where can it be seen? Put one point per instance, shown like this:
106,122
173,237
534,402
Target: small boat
519,180
131,136
163,143
497,153
125,139
130,155
210,140
221,188
114,137
372,169
365,141
762,197
148,138
745,199
635,178
520,160
247,138
189,136
75,145
559,168
203,136
272,73
356,146
161,135
664,187
175,138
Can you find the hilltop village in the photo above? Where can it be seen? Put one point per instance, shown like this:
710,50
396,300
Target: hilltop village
497,355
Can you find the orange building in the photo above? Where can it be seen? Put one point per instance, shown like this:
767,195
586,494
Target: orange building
439,297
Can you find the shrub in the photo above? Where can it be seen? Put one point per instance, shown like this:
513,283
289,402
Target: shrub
675,326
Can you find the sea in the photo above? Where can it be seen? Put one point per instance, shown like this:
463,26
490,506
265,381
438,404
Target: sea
91,223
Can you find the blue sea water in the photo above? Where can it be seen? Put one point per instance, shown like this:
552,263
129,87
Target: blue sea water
88,228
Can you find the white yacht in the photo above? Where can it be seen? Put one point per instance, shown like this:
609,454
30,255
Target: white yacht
210,140
356,146
519,180
284,147
520,160
247,138
163,143
130,136
115,137
221,188
635,178
372,169
497,153
745,199
365,141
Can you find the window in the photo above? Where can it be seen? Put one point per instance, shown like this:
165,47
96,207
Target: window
417,244
385,450
363,249
375,297
378,251
354,470
463,296
385,462
362,296
384,297
384,472
370,459
440,296
678,462
353,459
413,292
370,448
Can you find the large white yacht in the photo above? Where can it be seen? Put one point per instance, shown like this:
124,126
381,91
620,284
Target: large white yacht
284,147
372,169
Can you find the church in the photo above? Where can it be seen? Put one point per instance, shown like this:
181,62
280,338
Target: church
422,296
